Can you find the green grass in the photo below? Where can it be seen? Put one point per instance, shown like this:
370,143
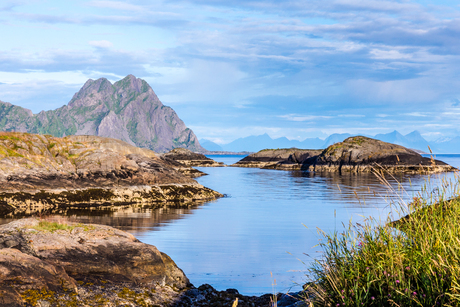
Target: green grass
54,226
9,137
414,262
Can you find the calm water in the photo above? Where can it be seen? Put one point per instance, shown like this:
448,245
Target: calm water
264,227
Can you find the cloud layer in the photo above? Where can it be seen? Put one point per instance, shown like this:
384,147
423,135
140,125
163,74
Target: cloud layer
290,68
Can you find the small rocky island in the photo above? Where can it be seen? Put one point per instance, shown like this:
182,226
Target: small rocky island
355,154
190,158
287,159
39,172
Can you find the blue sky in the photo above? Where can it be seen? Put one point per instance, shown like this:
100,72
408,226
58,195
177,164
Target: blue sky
236,68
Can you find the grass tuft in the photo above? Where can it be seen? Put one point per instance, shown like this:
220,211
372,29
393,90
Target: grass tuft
412,262
50,226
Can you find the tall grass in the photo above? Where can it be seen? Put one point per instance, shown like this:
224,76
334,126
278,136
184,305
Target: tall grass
412,262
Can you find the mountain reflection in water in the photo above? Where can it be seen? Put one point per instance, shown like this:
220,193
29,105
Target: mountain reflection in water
265,226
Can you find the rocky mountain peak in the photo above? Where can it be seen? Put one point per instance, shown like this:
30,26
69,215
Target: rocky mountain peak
128,110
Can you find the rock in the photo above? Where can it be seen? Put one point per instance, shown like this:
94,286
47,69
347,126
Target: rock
128,110
59,263
287,159
43,172
361,154
51,263
355,155
206,295
189,158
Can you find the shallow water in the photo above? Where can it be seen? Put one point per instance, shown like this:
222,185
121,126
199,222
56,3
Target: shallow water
262,230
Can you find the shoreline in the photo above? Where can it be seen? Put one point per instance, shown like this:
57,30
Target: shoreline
83,264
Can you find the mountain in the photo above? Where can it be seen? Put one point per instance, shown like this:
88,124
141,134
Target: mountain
312,143
250,143
393,137
416,141
128,110
210,145
264,141
411,140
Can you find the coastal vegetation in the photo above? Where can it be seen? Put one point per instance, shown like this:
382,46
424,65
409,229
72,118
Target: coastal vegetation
414,261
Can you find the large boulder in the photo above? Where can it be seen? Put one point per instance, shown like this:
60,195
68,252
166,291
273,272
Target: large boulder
62,257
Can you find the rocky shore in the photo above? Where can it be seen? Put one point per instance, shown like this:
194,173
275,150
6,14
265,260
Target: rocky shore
189,158
287,159
354,155
46,262
43,172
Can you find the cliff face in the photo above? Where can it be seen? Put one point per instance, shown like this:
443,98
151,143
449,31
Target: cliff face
128,110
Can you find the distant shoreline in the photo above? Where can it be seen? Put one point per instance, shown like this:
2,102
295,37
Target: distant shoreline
227,153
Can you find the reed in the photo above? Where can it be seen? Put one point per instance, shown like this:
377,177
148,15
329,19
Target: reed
414,261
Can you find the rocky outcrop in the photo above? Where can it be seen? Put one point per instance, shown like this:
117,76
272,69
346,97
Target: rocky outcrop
355,154
286,159
68,264
361,154
45,172
53,262
189,158
128,110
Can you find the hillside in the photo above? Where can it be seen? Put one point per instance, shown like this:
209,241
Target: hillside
128,110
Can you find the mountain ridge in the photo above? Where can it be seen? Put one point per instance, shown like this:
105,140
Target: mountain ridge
411,140
128,110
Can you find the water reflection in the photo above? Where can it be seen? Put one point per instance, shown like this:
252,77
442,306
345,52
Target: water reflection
268,222
137,218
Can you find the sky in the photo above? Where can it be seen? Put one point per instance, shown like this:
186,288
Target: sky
234,68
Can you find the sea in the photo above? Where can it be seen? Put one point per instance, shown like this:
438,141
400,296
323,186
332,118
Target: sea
263,236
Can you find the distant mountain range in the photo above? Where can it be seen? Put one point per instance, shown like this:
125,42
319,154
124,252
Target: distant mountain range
128,110
412,140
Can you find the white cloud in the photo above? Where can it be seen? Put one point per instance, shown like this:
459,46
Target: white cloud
303,118
389,54
416,114
117,5
101,44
